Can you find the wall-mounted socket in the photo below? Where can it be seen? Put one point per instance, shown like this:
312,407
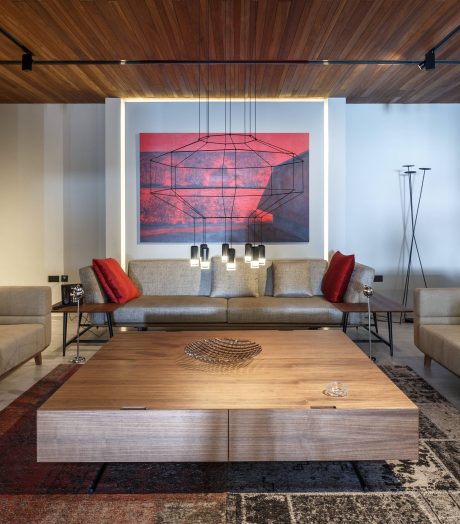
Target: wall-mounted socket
378,278
64,278
53,278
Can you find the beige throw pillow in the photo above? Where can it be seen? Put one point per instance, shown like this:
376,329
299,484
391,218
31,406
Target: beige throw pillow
244,282
291,278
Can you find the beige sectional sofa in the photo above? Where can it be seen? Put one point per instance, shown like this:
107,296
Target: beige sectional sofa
437,326
175,295
25,324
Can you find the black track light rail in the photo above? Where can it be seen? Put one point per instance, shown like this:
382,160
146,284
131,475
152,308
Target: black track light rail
15,41
224,62
446,39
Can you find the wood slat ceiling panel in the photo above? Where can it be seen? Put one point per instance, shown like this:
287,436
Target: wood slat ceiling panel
237,29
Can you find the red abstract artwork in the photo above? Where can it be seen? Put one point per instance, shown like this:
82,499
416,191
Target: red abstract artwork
230,187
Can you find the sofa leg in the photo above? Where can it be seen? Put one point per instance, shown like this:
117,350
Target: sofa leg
427,361
38,359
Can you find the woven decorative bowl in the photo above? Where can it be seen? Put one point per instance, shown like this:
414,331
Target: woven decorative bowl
223,350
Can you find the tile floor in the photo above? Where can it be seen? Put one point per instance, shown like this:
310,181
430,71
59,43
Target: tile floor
405,352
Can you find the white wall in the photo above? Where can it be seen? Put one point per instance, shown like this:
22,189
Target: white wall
56,213
143,117
51,191
380,139
84,186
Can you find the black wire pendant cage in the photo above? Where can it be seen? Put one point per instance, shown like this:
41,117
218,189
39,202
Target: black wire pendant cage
230,183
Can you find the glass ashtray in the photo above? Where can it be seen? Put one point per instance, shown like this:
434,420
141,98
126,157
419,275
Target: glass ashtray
336,389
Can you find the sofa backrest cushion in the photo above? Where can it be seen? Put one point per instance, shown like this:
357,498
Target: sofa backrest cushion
94,294
243,282
168,277
362,276
338,276
291,278
115,282
317,269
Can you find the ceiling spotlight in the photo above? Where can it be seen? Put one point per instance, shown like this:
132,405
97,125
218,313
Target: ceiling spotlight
430,60
27,61
122,62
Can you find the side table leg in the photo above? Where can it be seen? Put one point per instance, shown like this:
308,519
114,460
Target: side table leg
344,322
390,331
109,324
376,324
64,333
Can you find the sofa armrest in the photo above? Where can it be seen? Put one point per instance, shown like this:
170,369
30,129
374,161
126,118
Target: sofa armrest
362,276
435,306
26,305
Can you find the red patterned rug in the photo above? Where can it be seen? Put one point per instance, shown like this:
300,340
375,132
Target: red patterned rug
426,491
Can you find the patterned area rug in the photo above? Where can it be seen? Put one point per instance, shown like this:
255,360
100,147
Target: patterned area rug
427,491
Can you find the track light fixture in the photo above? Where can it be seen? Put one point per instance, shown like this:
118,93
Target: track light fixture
27,62
429,62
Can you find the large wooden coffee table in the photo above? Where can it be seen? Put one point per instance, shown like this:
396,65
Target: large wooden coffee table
141,399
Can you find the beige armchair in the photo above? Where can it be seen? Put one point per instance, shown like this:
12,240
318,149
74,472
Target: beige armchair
437,326
25,324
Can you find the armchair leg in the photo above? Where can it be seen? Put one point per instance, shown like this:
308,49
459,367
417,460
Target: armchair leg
427,361
38,359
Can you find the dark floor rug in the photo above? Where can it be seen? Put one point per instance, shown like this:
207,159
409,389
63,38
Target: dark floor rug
427,491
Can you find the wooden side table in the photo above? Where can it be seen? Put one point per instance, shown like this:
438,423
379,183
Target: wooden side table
378,304
107,308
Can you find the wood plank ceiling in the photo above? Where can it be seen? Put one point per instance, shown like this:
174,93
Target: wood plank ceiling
278,30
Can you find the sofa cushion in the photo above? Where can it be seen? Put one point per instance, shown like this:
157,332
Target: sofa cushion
173,309
299,310
94,294
244,282
362,276
167,277
337,276
115,282
19,342
291,278
317,271
442,343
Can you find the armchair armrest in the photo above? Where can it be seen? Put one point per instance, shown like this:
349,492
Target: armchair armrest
432,305
435,306
26,305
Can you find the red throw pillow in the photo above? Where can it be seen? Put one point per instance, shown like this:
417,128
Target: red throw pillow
114,281
338,274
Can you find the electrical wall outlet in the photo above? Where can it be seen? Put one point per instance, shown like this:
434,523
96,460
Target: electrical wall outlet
53,278
64,278
378,278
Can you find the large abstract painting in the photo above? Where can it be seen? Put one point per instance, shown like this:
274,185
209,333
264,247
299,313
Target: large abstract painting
234,187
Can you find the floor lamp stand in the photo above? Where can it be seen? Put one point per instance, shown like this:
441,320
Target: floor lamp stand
76,295
368,292
413,242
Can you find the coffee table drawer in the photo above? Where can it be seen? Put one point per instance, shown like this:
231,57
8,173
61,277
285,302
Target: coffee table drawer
323,434
132,436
